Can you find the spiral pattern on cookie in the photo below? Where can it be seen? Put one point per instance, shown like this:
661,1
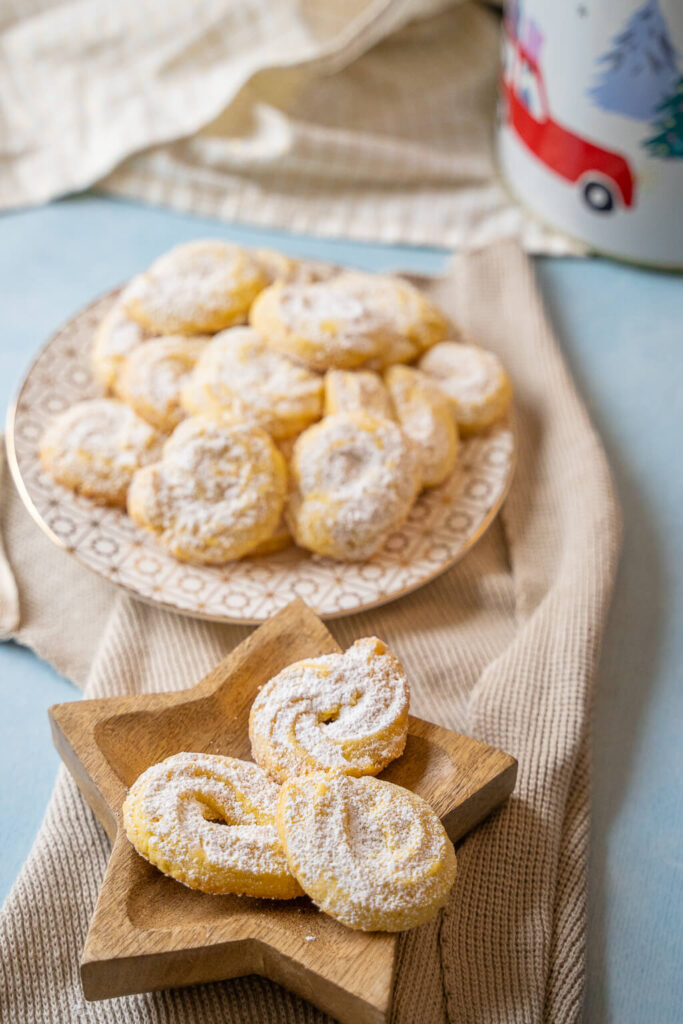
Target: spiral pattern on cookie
347,712
153,376
96,446
370,854
473,380
197,288
238,375
216,493
350,321
209,822
354,478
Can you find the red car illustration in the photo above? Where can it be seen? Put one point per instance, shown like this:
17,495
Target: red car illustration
604,177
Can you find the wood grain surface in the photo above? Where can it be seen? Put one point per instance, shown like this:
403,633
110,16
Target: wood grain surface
150,932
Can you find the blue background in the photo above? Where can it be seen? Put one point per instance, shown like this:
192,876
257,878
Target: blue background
620,328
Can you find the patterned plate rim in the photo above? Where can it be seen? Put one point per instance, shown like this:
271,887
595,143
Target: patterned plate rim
158,602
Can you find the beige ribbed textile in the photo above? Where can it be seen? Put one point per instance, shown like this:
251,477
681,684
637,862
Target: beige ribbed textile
369,119
503,647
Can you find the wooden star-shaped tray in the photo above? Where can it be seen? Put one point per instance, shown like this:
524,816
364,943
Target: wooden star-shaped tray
150,932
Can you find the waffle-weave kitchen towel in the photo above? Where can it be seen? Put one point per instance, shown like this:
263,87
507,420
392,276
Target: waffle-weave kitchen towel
503,647
369,119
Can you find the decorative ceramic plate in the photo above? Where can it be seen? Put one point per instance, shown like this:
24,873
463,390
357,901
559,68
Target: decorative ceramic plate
444,523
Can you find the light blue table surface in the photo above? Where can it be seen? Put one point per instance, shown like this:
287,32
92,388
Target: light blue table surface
622,333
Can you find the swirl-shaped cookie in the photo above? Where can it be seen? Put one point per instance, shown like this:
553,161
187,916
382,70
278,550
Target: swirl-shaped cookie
354,478
426,418
239,375
196,288
209,822
217,492
154,374
95,447
347,712
353,390
473,380
350,321
368,853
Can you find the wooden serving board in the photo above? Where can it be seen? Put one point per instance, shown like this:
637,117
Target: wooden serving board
150,932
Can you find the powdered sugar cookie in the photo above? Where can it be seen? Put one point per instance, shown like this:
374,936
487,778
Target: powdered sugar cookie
425,417
197,288
153,376
370,854
239,375
347,712
115,338
209,822
352,320
353,390
473,380
354,479
216,493
95,447
321,324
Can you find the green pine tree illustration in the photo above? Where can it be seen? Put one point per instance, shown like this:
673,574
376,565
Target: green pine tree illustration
668,142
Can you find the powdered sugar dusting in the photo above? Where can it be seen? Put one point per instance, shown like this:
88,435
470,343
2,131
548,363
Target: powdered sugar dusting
308,308
369,853
346,711
154,375
467,373
209,821
199,286
217,492
96,446
239,374
355,477
354,319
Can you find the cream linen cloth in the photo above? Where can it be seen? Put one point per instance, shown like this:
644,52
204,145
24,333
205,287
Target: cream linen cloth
331,117
503,647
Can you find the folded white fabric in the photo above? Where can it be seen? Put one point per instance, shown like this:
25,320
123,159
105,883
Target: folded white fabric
339,117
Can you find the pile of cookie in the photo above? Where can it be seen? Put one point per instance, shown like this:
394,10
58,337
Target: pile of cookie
308,816
253,399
